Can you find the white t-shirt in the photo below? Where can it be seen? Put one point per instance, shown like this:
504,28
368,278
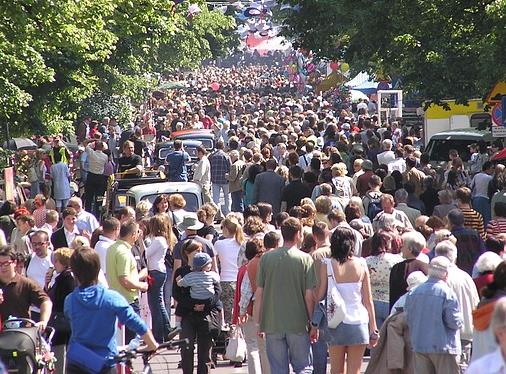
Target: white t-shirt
101,247
227,251
155,254
38,267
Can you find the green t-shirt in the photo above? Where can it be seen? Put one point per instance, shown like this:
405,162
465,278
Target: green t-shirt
285,274
121,262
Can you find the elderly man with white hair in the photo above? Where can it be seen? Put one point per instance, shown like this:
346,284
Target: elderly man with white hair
445,204
387,156
412,244
462,284
387,204
434,320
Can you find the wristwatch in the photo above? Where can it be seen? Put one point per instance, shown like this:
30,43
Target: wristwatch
314,324
374,335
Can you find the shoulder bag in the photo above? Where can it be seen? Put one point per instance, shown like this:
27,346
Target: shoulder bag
335,305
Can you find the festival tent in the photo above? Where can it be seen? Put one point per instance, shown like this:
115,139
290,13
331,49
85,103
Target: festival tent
362,82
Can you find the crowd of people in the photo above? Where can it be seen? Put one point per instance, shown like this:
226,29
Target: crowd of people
308,191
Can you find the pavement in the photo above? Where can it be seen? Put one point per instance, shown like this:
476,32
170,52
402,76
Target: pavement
167,361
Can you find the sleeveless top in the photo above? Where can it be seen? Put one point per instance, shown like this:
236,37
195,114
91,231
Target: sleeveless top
351,292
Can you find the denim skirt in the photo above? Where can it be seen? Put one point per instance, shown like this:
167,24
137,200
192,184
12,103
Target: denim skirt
346,334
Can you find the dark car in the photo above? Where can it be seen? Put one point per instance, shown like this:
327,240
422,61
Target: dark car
205,136
190,146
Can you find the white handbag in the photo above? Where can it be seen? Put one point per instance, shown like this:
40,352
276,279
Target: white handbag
236,348
335,306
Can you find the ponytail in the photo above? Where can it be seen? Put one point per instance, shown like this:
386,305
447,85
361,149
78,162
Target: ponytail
232,225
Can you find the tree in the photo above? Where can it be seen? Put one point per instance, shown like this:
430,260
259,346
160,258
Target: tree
54,56
439,48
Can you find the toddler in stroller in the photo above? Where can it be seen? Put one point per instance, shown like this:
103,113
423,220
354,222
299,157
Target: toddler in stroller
24,349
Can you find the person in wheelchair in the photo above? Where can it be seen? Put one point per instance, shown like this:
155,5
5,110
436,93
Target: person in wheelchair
20,292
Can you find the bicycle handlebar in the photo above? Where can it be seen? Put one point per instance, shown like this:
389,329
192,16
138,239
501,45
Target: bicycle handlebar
128,355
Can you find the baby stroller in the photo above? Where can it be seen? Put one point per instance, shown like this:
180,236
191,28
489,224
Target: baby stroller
24,349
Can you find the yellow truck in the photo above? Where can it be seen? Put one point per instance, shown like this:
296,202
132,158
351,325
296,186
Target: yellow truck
437,119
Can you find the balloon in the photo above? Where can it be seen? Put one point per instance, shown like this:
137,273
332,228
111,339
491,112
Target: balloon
334,65
345,67
215,86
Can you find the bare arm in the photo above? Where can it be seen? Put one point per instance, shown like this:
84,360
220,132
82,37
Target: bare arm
132,284
45,312
150,341
258,305
322,288
367,301
283,206
309,299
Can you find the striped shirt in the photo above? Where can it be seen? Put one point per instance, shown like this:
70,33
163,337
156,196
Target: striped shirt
496,226
473,220
201,283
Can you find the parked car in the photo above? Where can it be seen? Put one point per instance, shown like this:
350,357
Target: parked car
440,143
191,192
205,136
164,148
116,198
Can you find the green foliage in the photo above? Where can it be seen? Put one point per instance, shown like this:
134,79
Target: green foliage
440,48
56,55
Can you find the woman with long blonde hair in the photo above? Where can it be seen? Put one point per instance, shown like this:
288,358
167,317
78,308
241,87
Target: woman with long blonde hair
227,250
162,241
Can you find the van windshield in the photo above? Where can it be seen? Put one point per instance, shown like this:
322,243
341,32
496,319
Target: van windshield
438,148
192,203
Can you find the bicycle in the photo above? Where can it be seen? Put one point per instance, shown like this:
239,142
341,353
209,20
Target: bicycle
126,356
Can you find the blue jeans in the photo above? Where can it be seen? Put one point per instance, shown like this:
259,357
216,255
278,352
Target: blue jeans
167,292
237,205
284,349
320,356
216,189
482,205
159,317
381,310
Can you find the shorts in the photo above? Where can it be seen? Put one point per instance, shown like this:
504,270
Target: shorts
346,334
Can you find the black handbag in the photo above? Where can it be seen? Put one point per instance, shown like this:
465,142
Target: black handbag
60,323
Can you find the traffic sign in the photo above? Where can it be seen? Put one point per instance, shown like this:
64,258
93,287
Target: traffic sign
503,111
496,94
497,114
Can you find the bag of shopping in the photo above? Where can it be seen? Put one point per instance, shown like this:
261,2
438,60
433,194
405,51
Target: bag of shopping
336,308
236,348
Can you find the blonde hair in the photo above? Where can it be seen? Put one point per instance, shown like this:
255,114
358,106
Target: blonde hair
62,255
79,242
282,170
177,201
160,225
339,169
323,204
233,227
307,201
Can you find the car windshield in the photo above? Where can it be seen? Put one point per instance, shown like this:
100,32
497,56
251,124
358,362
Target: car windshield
192,202
438,148
163,152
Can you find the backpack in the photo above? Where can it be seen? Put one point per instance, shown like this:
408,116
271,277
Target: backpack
374,206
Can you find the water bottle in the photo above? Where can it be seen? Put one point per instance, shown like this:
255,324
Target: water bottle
134,343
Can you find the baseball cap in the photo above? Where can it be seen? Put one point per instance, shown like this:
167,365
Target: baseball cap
200,260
